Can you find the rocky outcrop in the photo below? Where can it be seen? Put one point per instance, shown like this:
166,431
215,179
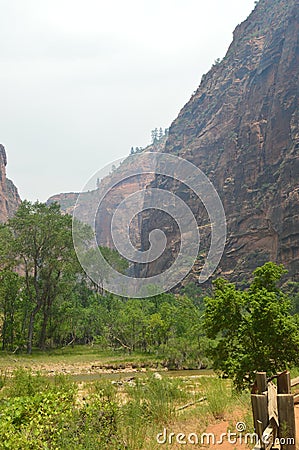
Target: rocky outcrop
66,201
241,128
9,197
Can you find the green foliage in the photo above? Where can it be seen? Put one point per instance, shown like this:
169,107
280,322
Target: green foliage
92,426
98,270
51,302
291,289
157,135
42,249
253,329
114,259
37,413
11,307
48,302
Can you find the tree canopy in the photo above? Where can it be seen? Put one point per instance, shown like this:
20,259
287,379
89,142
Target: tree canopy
253,329
41,248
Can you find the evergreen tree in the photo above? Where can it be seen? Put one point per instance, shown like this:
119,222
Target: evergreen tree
154,134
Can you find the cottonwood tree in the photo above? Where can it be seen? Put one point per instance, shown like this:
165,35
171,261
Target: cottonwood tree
99,272
253,329
10,305
43,250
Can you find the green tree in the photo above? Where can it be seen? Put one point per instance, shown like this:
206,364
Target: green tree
253,329
181,337
291,288
128,328
114,259
43,250
10,303
154,134
98,271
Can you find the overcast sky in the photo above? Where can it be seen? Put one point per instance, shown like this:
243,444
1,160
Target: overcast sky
83,81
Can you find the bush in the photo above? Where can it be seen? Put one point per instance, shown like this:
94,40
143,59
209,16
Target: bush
43,413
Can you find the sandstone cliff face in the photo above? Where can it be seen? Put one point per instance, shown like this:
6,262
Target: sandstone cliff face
66,201
9,197
241,128
113,197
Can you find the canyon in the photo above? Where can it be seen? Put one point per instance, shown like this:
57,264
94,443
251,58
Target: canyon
241,128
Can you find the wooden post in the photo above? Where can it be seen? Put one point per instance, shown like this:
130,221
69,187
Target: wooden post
259,404
284,383
287,427
261,382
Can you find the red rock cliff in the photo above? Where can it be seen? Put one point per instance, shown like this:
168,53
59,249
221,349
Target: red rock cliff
241,128
9,197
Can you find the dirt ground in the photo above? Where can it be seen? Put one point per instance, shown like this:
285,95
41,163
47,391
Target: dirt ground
222,427
218,429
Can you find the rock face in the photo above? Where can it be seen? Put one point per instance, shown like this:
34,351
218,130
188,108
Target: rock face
241,128
9,197
113,197
66,201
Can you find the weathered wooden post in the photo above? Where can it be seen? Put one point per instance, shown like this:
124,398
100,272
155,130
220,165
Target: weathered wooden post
284,383
259,403
286,413
261,382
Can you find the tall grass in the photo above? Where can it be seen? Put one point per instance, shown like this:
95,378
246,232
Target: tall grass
219,396
150,401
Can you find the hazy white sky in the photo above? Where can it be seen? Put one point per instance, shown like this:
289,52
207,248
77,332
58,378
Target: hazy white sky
83,81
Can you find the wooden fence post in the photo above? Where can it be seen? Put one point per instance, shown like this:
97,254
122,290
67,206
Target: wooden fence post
260,413
287,426
259,403
273,417
261,382
284,383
